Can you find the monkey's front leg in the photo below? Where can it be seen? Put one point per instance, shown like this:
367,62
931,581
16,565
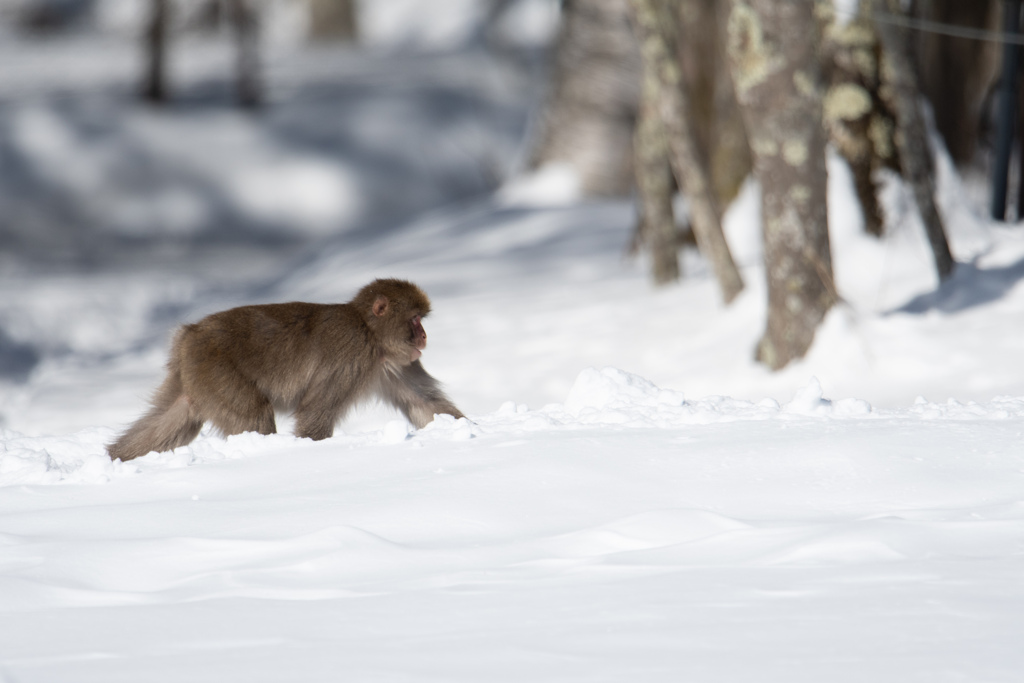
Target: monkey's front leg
418,395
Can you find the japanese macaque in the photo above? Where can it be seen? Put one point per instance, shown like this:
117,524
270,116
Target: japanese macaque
235,367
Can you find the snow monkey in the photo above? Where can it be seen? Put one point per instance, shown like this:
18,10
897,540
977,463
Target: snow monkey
234,367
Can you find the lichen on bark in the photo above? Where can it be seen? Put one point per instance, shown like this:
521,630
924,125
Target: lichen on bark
754,60
774,55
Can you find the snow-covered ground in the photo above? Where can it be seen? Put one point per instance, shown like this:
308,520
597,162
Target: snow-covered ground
633,497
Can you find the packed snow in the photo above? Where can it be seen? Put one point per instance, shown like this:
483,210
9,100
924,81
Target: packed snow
632,497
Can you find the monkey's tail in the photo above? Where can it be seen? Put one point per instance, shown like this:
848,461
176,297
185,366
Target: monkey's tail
170,422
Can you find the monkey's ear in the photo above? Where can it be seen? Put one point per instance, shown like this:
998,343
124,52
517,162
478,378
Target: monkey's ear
380,305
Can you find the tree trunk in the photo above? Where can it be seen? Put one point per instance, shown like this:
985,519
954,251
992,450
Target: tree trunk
773,49
957,73
589,118
154,86
654,20
656,225
333,20
860,125
249,89
899,88
712,102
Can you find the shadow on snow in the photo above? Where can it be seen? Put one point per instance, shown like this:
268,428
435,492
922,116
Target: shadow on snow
969,287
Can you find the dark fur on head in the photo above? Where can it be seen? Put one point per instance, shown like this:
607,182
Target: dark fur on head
409,298
392,310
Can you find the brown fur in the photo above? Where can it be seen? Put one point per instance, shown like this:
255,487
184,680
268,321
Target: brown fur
234,368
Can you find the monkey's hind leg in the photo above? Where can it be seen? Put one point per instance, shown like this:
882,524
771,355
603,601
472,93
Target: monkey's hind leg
170,423
231,401
219,392
247,410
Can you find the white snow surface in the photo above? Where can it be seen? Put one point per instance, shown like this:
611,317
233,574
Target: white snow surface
632,497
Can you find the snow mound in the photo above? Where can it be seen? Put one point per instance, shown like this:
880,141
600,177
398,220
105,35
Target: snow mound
611,396
606,397
49,459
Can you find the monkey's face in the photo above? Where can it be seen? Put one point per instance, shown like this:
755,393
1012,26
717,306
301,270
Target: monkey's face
395,314
417,337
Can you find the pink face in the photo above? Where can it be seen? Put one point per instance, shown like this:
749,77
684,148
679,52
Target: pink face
419,337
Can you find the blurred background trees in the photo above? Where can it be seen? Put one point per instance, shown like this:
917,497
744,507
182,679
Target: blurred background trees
243,16
801,71
328,20
899,83
654,101
333,19
591,109
667,104
958,74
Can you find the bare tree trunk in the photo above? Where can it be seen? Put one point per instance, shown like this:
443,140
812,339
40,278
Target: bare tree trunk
656,225
860,125
154,86
712,102
773,49
957,73
899,87
333,20
249,87
654,20
589,118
